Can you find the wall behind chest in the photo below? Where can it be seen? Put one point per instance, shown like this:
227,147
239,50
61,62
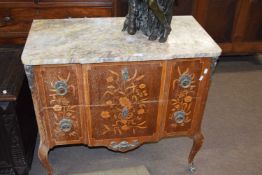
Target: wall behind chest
235,24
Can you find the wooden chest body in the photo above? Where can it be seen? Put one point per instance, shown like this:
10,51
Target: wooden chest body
120,105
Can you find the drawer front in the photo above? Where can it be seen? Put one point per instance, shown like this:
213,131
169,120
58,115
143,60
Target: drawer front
123,99
73,1
60,85
65,124
187,80
16,21
120,121
73,12
136,82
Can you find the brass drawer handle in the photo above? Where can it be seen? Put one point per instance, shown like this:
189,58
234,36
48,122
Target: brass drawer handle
179,117
65,125
125,74
185,80
61,88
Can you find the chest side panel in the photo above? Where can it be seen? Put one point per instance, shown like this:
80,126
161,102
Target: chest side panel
188,77
60,88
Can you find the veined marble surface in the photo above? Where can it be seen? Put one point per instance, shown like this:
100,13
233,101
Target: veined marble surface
96,40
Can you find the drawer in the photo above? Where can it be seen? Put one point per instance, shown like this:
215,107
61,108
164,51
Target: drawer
73,1
73,12
65,124
16,21
185,77
137,82
180,115
123,121
124,101
188,78
59,85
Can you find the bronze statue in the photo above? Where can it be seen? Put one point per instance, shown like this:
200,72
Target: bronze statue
152,17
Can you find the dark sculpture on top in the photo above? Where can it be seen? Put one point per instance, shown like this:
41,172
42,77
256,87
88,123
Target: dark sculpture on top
152,17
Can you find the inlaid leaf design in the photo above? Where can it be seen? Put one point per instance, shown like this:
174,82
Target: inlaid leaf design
183,98
132,92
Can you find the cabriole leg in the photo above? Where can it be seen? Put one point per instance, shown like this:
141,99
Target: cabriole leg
43,156
198,139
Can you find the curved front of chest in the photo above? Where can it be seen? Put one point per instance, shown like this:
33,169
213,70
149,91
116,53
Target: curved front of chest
123,103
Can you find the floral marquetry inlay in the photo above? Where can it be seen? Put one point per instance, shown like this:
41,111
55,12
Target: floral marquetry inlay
183,98
183,94
126,101
61,113
63,102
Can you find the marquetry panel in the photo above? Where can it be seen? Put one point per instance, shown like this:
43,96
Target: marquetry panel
186,79
109,122
60,85
124,99
132,82
65,124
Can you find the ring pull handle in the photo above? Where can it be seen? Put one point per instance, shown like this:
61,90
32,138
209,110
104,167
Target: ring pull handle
61,88
125,112
125,74
179,117
66,125
185,80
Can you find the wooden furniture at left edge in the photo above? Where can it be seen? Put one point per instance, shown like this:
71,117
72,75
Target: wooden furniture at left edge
97,97
234,24
16,16
18,127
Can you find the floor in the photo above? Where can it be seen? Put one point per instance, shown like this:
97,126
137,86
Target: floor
232,127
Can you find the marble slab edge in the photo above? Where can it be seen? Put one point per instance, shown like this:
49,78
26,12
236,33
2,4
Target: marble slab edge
74,56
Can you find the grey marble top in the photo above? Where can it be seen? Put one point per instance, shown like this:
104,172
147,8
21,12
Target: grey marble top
97,40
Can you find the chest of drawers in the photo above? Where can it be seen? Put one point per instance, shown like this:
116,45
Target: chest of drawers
94,85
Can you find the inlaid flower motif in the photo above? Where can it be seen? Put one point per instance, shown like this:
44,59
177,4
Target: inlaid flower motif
57,108
110,79
125,127
125,102
142,86
125,116
183,99
177,106
124,121
63,101
141,111
105,114
109,102
188,99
